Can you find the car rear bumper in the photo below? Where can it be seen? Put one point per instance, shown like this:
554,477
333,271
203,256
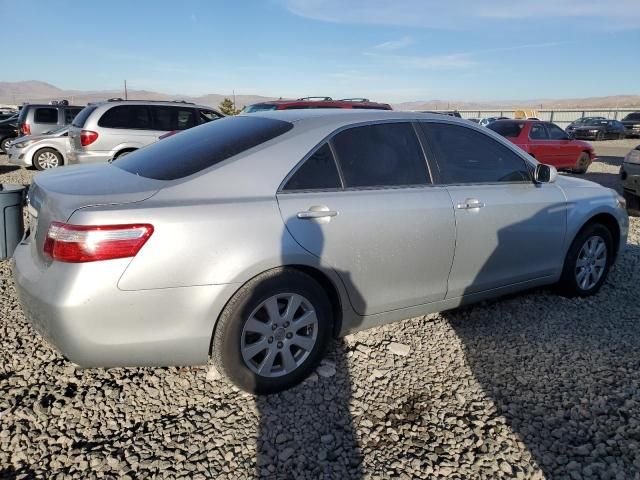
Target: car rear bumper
75,157
81,312
630,178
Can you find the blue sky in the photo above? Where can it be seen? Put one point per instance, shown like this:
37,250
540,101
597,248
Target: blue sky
395,51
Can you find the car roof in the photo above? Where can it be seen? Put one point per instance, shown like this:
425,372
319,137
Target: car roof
360,103
173,103
29,105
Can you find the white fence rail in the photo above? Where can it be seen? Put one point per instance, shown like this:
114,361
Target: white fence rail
559,117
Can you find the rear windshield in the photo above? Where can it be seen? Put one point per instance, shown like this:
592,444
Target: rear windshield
198,148
506,129
259,107
80,119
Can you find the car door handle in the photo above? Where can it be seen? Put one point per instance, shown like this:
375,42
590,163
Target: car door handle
470,204
307,214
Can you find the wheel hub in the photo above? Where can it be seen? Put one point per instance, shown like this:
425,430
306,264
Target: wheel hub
279,334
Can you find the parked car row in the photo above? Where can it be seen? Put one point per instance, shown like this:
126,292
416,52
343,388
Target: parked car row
60,134
255,239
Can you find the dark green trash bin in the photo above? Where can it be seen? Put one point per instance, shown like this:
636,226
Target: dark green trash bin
11,220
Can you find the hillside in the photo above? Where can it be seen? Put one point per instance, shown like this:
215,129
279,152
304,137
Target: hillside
37,91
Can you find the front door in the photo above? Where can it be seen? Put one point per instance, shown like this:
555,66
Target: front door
379,223
508,229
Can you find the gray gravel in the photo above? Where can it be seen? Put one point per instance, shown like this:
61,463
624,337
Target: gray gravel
531,386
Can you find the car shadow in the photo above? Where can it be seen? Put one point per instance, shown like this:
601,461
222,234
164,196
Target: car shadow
308,431
606,179
562,371
8,168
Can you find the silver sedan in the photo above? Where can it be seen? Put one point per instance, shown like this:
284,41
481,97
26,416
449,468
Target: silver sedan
43,151
256,239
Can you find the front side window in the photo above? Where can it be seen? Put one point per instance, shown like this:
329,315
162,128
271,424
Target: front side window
465,155
46,115
318,172
538,132
127,116
555,132
382,155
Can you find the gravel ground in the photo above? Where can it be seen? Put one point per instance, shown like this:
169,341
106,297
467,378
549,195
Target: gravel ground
531,386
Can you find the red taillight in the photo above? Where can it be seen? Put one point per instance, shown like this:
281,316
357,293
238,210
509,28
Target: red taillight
26,129
87,137
90,243
168,134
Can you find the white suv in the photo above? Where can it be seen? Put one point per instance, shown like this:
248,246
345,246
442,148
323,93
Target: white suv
104,131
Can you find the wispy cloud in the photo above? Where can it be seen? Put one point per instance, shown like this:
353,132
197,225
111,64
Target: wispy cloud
395,44
433,62
466,14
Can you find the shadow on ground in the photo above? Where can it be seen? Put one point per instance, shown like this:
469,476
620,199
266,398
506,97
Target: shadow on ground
565,373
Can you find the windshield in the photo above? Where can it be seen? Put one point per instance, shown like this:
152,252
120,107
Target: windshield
593,122
259,107
632,116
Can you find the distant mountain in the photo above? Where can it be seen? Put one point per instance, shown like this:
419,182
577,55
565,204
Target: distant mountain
36,91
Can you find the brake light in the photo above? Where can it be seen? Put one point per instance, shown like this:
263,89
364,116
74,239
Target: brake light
168,134
26,129
90,243
87,137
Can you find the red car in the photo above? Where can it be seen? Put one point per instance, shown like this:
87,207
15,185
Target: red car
547,143
316,102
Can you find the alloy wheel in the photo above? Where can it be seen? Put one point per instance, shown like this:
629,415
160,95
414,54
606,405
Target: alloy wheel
591,262
279,335
48,160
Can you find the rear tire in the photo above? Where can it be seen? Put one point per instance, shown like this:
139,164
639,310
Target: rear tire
599,136
4,144
582,165
256,342
622,136
47,158
588,261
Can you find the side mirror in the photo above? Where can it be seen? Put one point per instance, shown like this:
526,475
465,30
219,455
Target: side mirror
545,173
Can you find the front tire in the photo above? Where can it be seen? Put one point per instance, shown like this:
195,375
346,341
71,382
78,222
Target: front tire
588,261
47,158
273,332
599,136
582,164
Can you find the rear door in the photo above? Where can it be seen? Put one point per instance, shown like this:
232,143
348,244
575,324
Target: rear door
364,205
125,126
508,229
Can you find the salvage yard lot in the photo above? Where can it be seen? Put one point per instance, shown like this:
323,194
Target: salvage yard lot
530,386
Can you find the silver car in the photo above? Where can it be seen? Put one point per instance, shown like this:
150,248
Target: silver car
256,239
104,131
48,150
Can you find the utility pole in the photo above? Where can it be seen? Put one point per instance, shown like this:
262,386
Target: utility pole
125,91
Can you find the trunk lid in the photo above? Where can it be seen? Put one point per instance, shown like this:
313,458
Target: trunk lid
56,194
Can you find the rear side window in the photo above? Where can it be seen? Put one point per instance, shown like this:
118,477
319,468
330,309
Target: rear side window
127,116
81,118
46,115
507,129
202,147
69,114
465,155
318,172
381,155
538,132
